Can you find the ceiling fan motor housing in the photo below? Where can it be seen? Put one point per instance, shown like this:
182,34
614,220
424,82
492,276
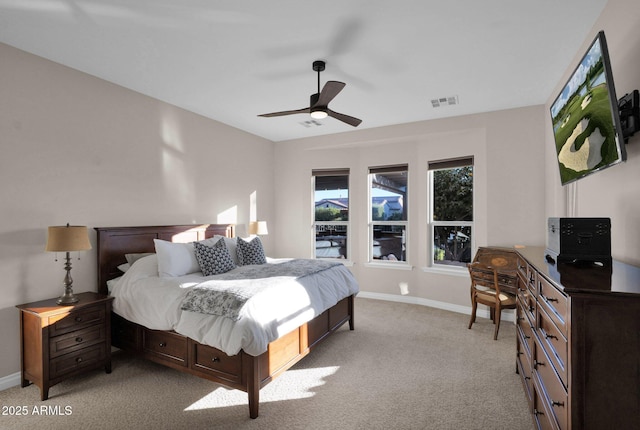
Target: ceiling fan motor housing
318,66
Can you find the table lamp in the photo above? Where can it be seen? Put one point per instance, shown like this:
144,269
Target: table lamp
258,228
67,239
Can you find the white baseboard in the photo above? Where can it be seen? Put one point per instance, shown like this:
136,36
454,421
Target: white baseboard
507,315
9,381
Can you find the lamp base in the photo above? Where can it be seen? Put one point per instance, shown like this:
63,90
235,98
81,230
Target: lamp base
67,299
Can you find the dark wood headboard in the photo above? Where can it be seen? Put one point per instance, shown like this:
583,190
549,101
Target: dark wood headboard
115,242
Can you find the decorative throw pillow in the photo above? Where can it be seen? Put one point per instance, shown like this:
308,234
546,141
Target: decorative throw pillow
250,252
215,259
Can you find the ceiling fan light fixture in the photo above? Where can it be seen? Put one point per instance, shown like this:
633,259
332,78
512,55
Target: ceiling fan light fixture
319,114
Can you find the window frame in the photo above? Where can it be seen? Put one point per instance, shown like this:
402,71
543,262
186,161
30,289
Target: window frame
432,224
314,224
372,224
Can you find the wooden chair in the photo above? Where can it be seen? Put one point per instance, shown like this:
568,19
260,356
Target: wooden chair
485,290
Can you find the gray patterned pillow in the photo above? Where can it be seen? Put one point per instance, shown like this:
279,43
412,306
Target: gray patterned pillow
250,252
215,259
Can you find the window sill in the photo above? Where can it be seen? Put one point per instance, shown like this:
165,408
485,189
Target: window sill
394,266
453,271
347,263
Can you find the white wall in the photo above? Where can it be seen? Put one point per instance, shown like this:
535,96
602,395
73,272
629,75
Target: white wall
508,183
613,192
78,149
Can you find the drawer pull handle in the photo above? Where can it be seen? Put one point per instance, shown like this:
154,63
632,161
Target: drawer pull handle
527,337
216,359
78,339
79,360
550,336
520,318
554,403
162,344
527,378
537,412
518,354
548,299
537,363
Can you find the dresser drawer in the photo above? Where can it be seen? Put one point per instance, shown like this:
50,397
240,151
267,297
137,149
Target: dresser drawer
215,362
542,416
523,363
528,303
166,346
554,302
529,277
86,357
554,343
525,330
525,377
551,391
522,268
75,320
78,339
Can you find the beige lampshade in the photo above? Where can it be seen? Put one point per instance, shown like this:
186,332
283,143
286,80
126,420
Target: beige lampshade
68,238
258,228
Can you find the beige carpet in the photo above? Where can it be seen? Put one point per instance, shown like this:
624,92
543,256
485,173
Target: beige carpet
404,367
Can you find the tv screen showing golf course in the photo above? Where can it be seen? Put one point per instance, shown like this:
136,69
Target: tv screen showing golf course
585,118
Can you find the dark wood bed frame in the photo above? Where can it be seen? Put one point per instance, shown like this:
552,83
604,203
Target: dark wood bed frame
242,371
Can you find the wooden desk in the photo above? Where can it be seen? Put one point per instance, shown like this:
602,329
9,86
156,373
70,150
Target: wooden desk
505,261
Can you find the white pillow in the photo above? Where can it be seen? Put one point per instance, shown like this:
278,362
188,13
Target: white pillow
175,259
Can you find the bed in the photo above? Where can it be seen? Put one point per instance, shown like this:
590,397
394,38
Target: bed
193,352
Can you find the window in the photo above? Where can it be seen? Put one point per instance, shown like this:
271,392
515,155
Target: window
451,211
388,213
331,215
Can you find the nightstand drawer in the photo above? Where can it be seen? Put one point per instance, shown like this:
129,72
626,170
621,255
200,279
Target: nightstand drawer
80,359
77,340
64,323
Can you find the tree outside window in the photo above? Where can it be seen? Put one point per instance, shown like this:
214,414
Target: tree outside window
451,211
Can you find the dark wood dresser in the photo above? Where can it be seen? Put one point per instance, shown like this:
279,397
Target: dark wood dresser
57,342
578,343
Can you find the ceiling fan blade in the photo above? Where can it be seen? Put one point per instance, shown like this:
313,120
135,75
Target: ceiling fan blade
344,118
329,91
286,112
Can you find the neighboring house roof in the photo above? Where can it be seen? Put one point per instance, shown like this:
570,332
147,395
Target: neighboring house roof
339,203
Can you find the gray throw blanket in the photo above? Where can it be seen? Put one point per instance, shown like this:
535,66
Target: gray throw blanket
226,294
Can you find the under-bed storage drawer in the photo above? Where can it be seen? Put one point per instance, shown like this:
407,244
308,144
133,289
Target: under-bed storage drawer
339,313
216,363
125,334
165,346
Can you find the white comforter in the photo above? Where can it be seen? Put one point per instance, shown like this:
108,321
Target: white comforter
145,298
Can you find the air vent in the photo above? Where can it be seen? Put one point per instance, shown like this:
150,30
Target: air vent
311,123
444,101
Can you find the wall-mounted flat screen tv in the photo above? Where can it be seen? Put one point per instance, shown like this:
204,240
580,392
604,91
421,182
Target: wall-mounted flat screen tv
585,117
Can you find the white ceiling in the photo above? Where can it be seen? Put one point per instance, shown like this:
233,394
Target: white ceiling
232,60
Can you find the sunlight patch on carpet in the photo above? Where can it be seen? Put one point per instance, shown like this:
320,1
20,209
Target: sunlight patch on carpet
293,384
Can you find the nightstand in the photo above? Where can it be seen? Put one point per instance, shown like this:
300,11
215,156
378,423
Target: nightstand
57,342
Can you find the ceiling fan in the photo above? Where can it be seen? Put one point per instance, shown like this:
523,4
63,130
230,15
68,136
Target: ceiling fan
319,103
